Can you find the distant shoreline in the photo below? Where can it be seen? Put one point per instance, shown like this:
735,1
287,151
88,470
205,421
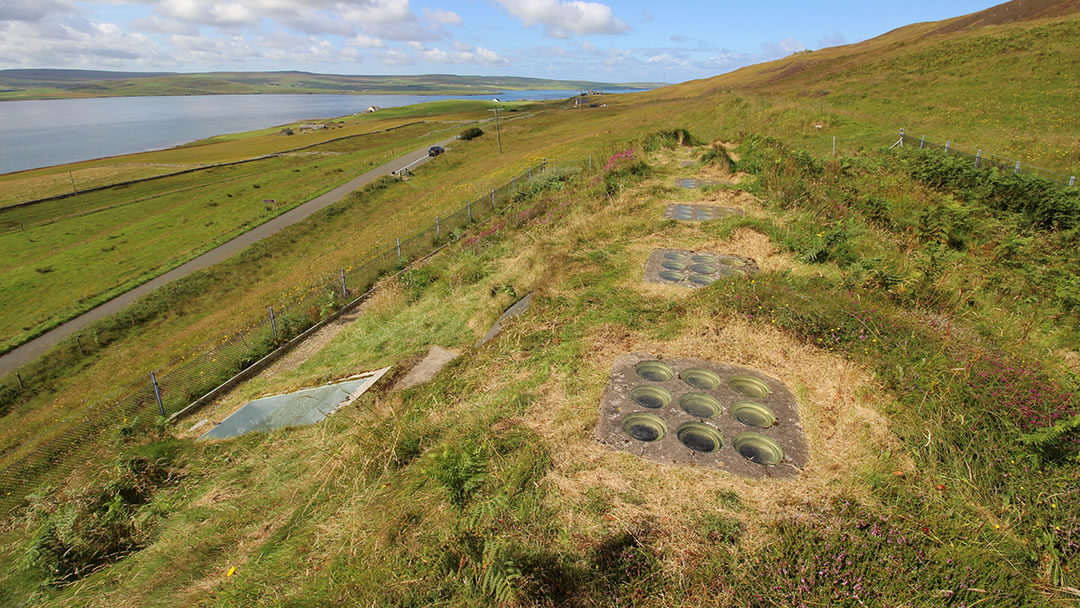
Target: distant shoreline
342,93
43,85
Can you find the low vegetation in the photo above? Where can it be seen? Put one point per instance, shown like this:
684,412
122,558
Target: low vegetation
923,312
925,485
471,133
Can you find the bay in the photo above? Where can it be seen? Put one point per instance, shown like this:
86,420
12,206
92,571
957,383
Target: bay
43,133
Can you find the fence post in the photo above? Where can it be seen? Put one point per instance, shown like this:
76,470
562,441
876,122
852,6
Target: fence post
344,289
438,234
530,172
543,165
590,162
78,342
1072,181
131,317
901,138
493,199
834,145
468,208
1017,169
273,322
922,142
22,387
946,146
398,249
157,394
978,157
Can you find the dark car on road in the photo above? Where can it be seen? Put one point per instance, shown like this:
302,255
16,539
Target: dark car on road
435,150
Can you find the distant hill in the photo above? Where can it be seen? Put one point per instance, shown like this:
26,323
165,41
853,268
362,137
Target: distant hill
1002,79
61,84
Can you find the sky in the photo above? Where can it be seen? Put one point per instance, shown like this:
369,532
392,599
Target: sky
625,41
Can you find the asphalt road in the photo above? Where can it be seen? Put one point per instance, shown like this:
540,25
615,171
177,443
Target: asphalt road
34,348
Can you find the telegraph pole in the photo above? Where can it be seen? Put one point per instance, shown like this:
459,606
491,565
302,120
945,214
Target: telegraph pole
498,133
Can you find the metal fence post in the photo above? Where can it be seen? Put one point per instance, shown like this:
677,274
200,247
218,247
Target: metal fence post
157,394
946,146
1072,181
468,209
18,377
922,142
493,199
438,234
344,289
978,157
398,249
543,165
78,342
901,138
530,172
1017,169
273,321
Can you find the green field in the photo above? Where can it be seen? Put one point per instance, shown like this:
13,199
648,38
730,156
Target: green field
76,253
924,314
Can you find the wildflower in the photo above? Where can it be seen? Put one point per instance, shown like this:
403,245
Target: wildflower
230,572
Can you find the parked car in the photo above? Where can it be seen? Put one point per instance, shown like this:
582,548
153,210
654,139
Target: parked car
435,150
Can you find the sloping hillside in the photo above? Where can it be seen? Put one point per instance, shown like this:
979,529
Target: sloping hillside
1002,80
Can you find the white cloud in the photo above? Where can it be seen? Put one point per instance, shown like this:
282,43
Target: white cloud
75,44
161,25
667,60
787,46
489,56
466,55
365,42
343,17
395,57
834,39
32,11
443,17
561,19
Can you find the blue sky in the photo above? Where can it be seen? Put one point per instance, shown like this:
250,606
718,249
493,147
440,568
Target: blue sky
613,42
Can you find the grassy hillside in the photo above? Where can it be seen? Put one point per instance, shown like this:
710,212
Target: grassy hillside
67,84
486,485
1003,87
924,314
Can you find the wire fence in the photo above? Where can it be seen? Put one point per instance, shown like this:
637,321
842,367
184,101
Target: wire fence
981,159
48,454
833,145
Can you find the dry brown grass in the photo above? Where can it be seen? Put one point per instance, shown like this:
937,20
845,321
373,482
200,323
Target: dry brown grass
837,402
1069,358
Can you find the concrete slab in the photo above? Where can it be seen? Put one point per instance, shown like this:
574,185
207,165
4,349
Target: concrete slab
426,369
516,310
645,408
303,407
698,213
695,269
691,182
